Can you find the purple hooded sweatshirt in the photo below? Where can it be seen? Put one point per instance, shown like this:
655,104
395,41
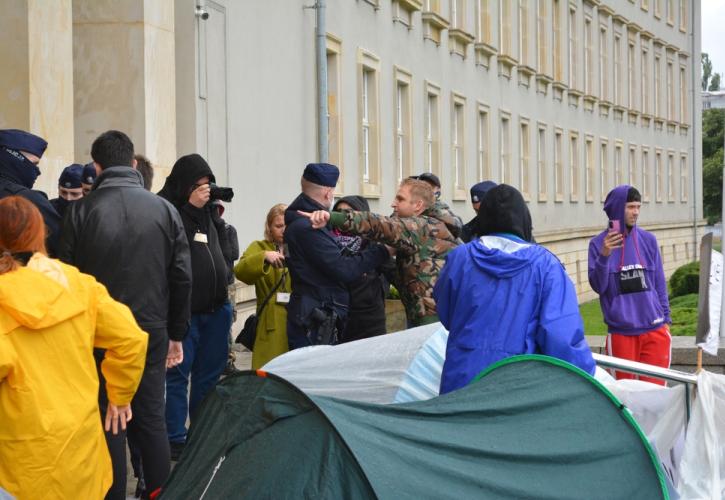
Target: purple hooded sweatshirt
628,313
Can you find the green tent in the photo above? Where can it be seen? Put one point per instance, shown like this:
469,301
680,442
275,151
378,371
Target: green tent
530,427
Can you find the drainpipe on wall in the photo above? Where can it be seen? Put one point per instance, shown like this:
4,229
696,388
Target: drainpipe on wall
695,87
321,49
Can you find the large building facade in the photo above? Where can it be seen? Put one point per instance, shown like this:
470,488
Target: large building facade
562,99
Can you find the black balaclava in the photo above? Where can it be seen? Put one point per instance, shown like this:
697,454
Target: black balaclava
358,203
15,166
503,210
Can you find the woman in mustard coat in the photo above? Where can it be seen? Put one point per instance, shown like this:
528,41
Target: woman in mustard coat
263,266
51,317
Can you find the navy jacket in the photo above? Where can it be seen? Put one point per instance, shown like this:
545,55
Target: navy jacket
320,271
10,186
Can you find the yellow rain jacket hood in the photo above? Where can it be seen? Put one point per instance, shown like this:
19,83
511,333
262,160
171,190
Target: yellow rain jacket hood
51,437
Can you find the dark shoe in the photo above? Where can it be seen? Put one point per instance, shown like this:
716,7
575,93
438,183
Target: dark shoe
230,369
176,450
140,488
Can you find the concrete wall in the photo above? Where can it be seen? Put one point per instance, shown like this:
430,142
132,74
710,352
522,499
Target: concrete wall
36,84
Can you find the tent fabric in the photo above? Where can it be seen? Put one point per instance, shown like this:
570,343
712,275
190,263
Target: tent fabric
370,370
532,427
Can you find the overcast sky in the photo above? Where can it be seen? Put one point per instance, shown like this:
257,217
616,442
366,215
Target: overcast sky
713,33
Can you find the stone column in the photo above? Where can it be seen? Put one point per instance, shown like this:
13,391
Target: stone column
36,83
124,71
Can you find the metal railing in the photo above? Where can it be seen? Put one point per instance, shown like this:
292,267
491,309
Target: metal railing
625,365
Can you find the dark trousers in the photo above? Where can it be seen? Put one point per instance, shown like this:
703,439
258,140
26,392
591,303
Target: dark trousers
206,350
147,428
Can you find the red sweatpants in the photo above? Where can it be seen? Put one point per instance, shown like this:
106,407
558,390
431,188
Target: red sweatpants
653,347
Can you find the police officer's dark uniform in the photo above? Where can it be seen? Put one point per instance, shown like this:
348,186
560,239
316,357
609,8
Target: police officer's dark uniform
319,269
18,174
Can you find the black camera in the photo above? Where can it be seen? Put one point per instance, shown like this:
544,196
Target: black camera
220,193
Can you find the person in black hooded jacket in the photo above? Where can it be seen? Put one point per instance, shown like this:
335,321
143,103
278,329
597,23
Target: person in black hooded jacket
367,293
205,346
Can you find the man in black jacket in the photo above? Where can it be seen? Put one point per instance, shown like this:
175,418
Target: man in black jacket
20,153
205,347
134,243
320,270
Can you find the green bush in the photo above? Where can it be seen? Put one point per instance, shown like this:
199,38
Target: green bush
684,314
685,280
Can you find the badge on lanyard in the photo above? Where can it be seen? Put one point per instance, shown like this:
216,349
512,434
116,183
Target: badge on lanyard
632,280
201,238
632,277
283,298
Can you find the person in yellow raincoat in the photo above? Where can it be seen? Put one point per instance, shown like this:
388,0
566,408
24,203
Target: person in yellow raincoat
263,266
51,317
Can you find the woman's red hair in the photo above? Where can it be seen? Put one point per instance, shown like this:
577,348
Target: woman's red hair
21,230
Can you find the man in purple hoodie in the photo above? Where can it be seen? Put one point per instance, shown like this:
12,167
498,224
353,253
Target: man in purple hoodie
625,269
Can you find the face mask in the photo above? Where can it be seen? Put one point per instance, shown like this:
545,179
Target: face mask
22,169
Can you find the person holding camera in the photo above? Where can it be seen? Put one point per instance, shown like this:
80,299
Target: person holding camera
263,265
625,269
190,188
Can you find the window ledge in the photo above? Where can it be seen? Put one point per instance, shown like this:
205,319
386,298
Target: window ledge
435,20
619,112
411,5
589,102
526,70
574,96
671,126
461,36
558,89
542,83
459,40
646,119
633,115
484,52
604,108
505,64
684,128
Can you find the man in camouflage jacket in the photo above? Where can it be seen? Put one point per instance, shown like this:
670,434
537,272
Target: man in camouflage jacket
420,240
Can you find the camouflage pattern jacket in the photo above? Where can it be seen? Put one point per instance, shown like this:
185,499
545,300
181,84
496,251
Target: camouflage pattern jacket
421,244
443,213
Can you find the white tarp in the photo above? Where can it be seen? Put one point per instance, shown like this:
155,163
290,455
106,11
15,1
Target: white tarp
703,461
715,295
370,370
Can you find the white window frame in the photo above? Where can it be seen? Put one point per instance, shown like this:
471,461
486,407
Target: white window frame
603,168
431,129
369,125
458,145
504,147
525,158
559,164
542,166
483,143
403,123
589,176
574,166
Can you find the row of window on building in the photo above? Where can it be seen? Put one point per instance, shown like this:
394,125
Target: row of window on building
656,173
583,47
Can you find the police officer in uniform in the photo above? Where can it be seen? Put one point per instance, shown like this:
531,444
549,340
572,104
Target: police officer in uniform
320,271
20,153
70,188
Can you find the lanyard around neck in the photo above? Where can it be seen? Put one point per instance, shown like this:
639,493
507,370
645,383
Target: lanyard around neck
636,249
